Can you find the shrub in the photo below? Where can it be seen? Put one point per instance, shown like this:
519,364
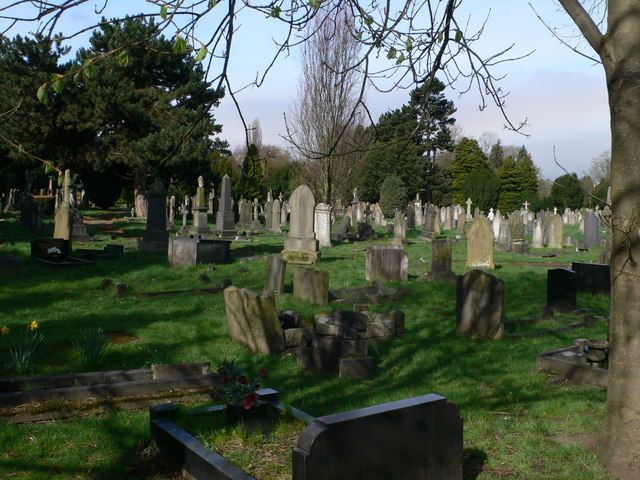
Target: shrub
393,194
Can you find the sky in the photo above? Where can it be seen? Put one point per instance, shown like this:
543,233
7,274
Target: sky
561,95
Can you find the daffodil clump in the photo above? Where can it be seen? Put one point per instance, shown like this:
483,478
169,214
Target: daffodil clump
23,343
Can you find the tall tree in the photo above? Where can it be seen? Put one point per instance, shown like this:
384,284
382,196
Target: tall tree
496,155
468,156
252,183
510,185
328,98
567,192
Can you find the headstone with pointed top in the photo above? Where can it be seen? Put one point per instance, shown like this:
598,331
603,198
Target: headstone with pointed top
225,222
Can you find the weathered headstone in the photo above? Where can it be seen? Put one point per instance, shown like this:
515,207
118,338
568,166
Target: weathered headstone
155,238
399,228
411,217
225,222
556,235
276,268
537,235
192,251
428,224
268,211
311,285
301,246
275,217
480,305
447,218
415,438
591,230
63,219
469,218
323,224
497,221
480,245
199,211
441,261
253,320
387,263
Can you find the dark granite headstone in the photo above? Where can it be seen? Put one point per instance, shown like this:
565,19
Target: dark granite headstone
480,305
417,438
155,238
191,251
562,289
592,278
591,231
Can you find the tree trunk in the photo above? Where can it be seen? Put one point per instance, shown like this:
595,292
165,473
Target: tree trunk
139,193
619,448
328,180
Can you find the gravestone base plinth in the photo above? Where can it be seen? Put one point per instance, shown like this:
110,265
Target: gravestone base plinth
301,251
79,233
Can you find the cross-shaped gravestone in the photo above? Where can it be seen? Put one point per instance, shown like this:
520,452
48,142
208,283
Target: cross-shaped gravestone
469,202
526,206
555,210
597,208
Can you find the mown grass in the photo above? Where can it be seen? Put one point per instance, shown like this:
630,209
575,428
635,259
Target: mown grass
510,411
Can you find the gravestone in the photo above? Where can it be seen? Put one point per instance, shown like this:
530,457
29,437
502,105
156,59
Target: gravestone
284,213
497,221
172,210
155,238
411,217
192,251
480,245
225,221
562,289
268,212
199,211
275,217
593,278
323,224
460,225
301,246
276,268
311,285
469,218
416,438
253,320
63,219
428,231
537,235
387,263
591,230
556,234
447,218
399,228
480,305
441,261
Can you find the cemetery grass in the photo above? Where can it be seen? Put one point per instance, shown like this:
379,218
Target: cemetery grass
512,414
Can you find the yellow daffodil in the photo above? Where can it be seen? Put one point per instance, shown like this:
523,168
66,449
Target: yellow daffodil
34,326
4,330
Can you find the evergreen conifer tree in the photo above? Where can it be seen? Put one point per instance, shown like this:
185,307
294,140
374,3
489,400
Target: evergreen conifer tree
468,156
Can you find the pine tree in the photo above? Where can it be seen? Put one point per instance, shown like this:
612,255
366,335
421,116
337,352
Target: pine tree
252,184
567,192
468,156
510,185
482,186
496,155
528,176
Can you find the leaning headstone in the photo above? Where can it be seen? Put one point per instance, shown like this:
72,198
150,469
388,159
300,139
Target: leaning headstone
480,245
63,218
253,320
311,285
323,224
387,263
591,230
441,261
225,222
276,268
556,232
562,289
428,224
155,238
480,305
415,438
301,246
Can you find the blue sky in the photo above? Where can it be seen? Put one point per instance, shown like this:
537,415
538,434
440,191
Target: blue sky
561,94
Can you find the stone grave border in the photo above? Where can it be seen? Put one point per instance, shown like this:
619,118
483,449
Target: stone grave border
47,397
187,453
375,294
555,362
161,293
587,321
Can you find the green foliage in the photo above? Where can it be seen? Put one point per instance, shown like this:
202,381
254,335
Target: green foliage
438,185
600,194
252,184
468,156
482,186
527,176
90,346
400,159
23,345
567,192
393,195
102,188
281,178
510,188
496,155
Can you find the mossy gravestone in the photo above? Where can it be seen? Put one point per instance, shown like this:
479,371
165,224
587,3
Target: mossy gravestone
480,245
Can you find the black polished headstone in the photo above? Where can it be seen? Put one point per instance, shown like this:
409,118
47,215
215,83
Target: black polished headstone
562,289
417,438
593,278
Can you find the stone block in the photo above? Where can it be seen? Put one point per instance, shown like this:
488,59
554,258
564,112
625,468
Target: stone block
192,251
322,326
293,336
387,263
349,319
311,285
354,368
562,289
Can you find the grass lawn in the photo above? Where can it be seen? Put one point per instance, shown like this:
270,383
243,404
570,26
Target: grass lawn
510,412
